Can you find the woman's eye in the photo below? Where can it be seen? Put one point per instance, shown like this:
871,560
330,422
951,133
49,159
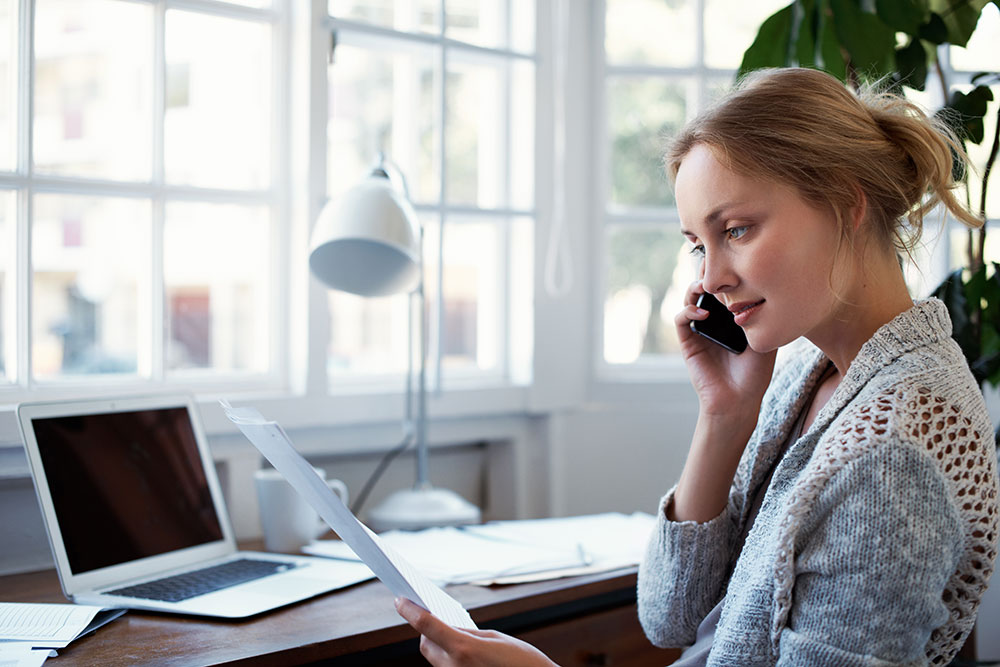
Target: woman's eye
698,250
736,232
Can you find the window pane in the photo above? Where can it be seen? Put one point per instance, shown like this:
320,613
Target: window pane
93,88
8,199
474,135
403,15
650,32
470,334
522,136
477,22
648,268
641,112
522,291
383,100
732,27
522,25
981,53
8,84
217,128
90,258
217,277
367,335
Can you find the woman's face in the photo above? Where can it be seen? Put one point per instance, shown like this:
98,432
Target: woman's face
766,253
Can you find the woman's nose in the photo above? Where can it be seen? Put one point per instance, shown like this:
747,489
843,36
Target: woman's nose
716,275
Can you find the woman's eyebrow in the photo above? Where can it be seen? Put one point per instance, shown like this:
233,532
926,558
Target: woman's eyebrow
714,217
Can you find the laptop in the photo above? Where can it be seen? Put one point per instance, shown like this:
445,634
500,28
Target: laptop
136,519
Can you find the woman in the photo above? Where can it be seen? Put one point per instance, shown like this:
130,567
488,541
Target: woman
841,509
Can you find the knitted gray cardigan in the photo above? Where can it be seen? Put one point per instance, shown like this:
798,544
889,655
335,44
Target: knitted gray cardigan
878,533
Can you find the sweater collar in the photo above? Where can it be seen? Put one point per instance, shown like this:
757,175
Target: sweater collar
926,323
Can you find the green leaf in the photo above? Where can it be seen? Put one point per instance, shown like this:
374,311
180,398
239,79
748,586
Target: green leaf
903,15
967,111
960,17
804,34
830,51
870,43
911,65
934,30
770,47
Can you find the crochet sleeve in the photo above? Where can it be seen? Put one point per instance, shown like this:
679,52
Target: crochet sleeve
683,574
873,559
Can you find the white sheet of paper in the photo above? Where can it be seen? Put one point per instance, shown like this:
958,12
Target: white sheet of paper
44,625
392,569
453,556
21,654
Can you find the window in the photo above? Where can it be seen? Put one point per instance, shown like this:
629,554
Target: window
138,197
446,90
650,87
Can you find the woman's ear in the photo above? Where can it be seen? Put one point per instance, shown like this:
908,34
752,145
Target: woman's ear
859,211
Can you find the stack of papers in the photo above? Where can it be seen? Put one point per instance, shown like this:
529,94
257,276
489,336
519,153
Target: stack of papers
504,552
29,632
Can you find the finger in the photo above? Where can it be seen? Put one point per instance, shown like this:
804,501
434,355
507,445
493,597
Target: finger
434,654
426,623
687,313
693,291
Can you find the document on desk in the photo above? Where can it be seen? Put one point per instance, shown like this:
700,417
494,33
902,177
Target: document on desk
22,654
392,569
50,625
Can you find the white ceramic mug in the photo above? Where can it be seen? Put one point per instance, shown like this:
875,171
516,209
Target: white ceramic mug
288,521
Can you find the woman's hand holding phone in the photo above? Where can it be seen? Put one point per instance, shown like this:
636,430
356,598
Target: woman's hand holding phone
729,385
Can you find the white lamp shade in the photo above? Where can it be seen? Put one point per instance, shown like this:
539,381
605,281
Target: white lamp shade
368,241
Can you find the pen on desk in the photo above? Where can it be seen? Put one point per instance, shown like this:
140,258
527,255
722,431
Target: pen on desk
584,556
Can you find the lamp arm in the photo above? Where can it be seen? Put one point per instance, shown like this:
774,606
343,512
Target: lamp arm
422,474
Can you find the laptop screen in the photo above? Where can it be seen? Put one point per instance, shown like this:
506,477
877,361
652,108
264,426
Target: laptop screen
126,485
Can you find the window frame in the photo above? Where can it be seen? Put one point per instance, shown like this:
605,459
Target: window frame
25,182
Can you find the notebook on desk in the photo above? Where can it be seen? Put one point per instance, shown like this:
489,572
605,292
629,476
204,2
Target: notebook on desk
135,514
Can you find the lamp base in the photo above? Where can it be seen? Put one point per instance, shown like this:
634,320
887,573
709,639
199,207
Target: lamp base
425,507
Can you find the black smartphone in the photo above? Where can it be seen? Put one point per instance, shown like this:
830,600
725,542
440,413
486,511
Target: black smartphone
720,326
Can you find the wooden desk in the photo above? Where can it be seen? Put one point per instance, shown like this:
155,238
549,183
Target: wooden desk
589,620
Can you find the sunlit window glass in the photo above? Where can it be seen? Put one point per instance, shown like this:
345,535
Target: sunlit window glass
90,258
522,25
93,88
8,84
981,53
8,199
474,135
217,280
641,112
650,32
730,27
217,127
522,136
478,22
262,4
649,266
522,285
469,328
383,100
402,15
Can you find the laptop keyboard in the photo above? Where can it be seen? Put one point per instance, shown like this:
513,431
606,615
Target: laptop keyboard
198,582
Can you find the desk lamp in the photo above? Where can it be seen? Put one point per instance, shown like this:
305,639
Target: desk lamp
369,242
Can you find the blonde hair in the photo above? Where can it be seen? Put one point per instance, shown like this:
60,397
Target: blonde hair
804,128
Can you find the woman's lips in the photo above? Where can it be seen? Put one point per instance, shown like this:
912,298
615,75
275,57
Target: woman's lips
743,311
